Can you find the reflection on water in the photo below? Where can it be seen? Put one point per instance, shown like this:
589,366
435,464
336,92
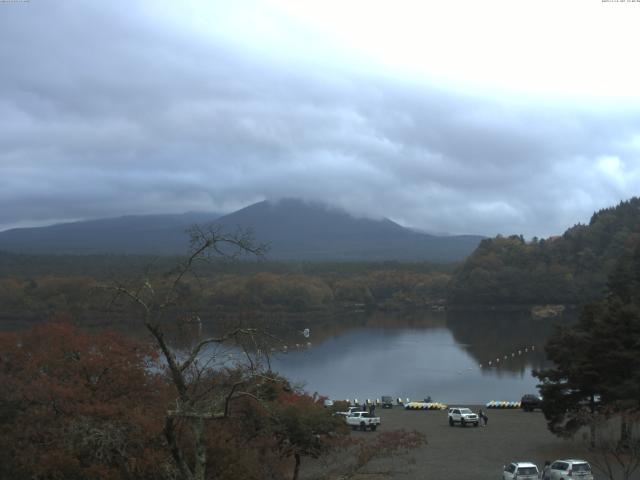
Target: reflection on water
446,357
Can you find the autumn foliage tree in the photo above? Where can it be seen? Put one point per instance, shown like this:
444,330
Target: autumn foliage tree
76,405
303,427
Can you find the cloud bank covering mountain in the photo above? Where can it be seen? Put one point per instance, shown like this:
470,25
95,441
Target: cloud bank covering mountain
417,114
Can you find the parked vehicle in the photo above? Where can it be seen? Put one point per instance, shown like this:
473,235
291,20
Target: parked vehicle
520,471
349,411
463,416
596,402
570,469
387,401
530,402
363,420
328,403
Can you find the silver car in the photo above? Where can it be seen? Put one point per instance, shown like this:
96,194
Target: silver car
570,469
521,471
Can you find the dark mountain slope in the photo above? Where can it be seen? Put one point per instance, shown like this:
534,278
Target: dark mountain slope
294,229
300,230
145,234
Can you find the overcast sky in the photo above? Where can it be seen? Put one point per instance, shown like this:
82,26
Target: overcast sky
463,117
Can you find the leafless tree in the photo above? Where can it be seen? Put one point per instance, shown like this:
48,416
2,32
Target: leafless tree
201,395
613,441
198,398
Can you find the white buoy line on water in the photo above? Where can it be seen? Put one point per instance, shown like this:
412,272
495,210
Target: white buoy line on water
504,358
289,348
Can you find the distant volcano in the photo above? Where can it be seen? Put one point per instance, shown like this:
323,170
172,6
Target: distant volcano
294,230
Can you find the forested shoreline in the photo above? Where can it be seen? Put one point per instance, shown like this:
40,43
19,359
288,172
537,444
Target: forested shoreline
230,289
571,269
504,273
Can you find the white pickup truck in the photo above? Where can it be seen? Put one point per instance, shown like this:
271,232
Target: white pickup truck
363,420
463,416
349,411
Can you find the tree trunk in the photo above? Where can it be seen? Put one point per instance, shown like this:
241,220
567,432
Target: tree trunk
296,469
592,426
625,434
176,453
197,425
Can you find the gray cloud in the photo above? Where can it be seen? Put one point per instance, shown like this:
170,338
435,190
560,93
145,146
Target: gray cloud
104,112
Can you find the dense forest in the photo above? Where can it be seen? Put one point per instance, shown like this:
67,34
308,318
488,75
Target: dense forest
569,269
41,286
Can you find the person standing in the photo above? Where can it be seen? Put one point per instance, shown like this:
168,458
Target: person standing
546,473
481,417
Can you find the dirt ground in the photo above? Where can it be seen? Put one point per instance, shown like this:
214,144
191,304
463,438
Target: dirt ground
456,453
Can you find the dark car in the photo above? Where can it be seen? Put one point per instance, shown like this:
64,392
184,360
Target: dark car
530,402
387,401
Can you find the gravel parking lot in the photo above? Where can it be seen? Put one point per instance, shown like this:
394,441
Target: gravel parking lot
457,453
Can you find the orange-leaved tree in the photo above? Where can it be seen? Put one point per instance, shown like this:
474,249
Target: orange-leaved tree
79,405
301,425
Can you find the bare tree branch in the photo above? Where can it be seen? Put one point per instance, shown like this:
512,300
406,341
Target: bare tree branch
196,350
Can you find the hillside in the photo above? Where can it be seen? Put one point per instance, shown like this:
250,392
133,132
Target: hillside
300,230
295,230
134,234
570,269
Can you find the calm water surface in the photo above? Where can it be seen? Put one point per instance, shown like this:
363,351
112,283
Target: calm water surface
444,356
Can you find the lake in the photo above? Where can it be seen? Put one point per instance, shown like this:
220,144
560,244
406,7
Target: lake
461,357
465,357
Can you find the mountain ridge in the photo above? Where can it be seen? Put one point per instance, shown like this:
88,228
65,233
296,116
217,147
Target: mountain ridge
295,230
125,234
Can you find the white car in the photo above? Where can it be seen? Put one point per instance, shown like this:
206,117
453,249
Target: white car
521,471
363,420
349,411
463,416
570,469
